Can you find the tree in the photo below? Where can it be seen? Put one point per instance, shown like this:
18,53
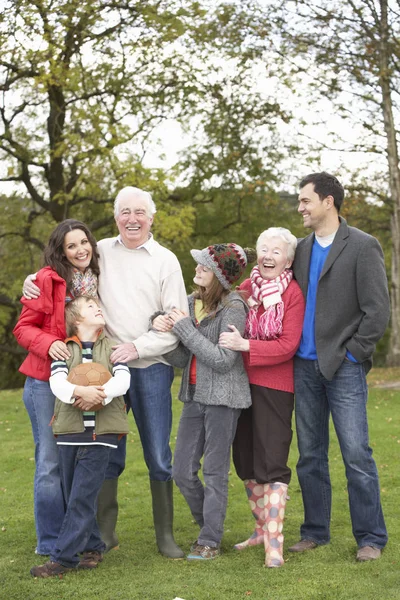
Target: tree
84,84
351,49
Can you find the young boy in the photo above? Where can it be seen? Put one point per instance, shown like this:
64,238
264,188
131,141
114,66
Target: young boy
87,422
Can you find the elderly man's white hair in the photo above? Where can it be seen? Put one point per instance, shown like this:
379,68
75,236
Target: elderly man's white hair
134,192
281,232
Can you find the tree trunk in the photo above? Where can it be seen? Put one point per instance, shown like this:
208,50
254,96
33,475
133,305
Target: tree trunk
393,357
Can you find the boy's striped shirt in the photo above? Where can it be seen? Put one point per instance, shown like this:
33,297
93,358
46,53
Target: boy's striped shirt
87,437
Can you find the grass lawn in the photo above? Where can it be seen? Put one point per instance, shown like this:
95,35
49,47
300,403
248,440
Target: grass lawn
137,571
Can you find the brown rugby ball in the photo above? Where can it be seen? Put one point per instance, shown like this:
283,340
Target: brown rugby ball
89,373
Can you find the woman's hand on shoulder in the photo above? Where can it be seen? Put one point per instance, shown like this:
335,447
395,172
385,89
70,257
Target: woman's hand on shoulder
30,290
234,341
59,351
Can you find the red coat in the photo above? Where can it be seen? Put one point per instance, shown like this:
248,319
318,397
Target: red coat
270,362
41,323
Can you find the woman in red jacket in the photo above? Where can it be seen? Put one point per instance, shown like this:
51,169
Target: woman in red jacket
264,431
71,269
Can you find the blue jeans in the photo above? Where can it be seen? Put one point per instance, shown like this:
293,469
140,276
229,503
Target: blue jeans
82,473
149,397
49,508
345,397
208,432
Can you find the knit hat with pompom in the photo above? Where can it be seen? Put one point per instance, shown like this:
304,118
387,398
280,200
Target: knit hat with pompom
227,261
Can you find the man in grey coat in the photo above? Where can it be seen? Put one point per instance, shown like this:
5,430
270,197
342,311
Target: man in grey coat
341,272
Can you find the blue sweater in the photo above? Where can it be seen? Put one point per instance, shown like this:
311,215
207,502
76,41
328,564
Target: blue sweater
307,348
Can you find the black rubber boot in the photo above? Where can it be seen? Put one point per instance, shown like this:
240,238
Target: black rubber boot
107,513
163,512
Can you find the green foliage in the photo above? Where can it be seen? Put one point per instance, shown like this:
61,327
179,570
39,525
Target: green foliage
84,84
137,572
345,55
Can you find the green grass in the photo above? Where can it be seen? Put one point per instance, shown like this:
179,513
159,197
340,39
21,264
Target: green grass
136,571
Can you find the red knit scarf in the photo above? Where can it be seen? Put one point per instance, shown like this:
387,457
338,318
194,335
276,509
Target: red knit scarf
268,291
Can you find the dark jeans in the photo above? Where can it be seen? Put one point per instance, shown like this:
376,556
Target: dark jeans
263,436
205,431
345,397
82,471
149,397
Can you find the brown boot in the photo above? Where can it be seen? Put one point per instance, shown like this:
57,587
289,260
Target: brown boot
275,495
368,553
255,494
303,545
90,559
50,569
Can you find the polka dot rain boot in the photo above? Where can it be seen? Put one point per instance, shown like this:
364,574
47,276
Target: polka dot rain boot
255,494
275,495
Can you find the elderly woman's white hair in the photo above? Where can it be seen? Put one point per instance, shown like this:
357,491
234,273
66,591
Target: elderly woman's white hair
134,192
281,232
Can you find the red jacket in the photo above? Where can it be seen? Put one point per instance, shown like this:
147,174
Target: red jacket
41,323
270,362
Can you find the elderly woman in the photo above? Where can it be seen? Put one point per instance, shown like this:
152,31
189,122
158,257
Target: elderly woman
264,432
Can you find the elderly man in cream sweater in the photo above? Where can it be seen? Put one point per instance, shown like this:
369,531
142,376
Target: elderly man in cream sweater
138,278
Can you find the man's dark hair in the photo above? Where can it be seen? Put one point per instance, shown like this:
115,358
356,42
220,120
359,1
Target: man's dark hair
325,185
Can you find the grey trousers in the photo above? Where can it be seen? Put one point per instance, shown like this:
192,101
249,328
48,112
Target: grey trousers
206,431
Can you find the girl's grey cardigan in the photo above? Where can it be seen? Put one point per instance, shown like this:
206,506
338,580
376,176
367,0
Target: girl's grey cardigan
220,375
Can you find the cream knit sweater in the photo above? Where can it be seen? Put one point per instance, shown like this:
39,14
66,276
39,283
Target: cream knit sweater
133,285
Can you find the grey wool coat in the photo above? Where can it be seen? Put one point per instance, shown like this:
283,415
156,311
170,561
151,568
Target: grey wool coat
352,308
220,375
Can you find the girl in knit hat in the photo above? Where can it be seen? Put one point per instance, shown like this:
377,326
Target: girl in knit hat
214,388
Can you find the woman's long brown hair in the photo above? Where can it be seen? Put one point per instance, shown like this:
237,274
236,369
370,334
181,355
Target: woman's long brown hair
54,256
